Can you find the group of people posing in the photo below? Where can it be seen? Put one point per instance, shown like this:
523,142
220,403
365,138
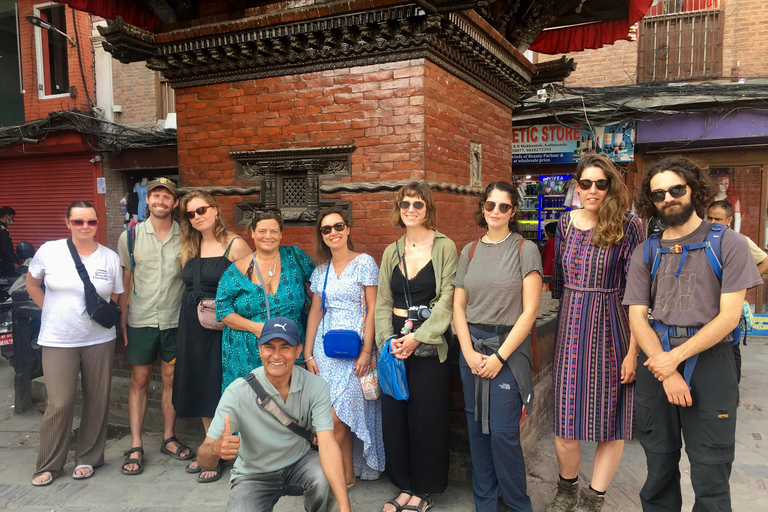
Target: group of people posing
262,409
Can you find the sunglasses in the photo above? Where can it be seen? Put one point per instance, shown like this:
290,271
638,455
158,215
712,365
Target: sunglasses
81,222
658,196
197,211
489,206
339,226
587,184
405,205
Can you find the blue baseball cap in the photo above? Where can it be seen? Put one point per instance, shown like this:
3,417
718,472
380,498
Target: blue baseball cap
282,328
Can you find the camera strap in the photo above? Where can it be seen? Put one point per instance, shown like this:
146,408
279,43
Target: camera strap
405,274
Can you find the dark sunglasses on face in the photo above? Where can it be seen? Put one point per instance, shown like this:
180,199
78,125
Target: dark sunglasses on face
489,206
199,211
339,226
658,196
405,205
587,184
80,222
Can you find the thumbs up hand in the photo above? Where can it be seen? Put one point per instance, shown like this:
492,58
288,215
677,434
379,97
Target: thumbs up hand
228,444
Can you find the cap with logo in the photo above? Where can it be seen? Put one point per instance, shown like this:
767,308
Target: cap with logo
163,182
280,328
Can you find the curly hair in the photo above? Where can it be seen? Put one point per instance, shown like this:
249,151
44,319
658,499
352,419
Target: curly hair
190,237
502,186
322,251
611,214
703,188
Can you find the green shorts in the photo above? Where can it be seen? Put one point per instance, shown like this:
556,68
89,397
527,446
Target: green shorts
145,343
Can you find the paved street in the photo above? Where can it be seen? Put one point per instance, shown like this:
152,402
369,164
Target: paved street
164,486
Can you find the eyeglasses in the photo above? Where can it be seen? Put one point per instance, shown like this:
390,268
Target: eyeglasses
339,226
587,184
658,196
81,222
197,211
417,205
489,206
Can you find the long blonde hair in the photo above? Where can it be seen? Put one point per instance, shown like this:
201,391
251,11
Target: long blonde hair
190,237
611,215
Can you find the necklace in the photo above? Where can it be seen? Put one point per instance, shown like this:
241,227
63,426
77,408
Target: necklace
488,240
271,268
343,265
420,244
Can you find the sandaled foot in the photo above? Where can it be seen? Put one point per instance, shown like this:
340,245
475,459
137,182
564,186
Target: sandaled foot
192,468
82,472
419,503
397,504
44,478
175,449
133,465
211,475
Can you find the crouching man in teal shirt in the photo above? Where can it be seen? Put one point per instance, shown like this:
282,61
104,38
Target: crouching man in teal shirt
274,461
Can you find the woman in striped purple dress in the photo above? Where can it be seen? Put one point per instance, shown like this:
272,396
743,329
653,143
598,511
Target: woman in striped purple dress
595,356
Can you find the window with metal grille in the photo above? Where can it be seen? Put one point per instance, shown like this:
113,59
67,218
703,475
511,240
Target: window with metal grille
294,192
52,60
681,40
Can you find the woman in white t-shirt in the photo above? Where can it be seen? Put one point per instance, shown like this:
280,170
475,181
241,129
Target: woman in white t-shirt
73,343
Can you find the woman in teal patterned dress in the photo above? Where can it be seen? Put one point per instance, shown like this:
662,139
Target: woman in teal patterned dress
268,283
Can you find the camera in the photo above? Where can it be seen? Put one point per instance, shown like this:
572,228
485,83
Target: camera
418,313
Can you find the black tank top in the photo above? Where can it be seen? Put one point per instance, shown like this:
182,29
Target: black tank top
422,286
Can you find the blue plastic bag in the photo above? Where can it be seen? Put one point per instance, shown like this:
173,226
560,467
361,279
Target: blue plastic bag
392,376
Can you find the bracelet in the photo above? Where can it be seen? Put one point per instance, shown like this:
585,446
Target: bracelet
366,351
496,353
309,359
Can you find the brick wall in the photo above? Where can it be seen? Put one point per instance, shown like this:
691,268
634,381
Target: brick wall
134,88
34,107
408,120
743,55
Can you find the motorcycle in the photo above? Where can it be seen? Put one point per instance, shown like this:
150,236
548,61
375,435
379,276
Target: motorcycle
17,291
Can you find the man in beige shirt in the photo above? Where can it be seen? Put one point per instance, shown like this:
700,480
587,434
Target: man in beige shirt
151,318
722,213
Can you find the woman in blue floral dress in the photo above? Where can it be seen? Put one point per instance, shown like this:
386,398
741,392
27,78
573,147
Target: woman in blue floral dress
349,281
268,283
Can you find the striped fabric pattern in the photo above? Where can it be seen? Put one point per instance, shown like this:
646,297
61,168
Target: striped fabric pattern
590,403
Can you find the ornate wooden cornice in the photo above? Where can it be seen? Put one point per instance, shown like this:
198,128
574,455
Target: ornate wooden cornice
379,35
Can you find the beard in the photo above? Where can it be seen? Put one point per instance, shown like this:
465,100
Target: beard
679,218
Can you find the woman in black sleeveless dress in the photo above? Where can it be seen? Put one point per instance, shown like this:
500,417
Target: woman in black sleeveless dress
209,248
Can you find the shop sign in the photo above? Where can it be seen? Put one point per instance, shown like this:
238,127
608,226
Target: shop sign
558,144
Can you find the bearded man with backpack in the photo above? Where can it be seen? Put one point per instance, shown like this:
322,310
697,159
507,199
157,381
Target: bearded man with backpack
693,277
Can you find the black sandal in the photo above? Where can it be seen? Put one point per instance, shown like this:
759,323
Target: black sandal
192,471
133,460
425,501
181,448
394,503
218,469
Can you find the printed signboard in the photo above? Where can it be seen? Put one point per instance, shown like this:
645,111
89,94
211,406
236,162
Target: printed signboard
559,144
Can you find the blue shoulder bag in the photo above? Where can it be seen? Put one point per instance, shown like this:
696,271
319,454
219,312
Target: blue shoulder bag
339,343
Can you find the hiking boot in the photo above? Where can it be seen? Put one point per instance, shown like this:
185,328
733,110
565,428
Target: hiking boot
566,498
590,501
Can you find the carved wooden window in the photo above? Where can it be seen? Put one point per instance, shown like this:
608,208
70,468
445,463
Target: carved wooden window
681,40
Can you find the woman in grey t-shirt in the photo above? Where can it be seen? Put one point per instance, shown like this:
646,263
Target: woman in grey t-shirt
496,302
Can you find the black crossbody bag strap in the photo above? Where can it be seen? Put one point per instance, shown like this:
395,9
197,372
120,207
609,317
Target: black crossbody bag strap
266,402
80,267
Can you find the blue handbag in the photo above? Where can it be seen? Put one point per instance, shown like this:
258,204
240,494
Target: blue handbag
392,377
339,343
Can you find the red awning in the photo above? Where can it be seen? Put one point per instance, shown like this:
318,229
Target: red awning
132,12
591,36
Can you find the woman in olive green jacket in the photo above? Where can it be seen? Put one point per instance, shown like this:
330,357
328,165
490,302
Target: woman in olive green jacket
414,309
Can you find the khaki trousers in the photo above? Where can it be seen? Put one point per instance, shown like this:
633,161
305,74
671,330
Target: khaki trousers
61,367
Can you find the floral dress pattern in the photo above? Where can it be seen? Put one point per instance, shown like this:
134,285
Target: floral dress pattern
238,294
344,304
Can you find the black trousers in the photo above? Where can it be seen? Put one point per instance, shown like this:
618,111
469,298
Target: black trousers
708,426
416,431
